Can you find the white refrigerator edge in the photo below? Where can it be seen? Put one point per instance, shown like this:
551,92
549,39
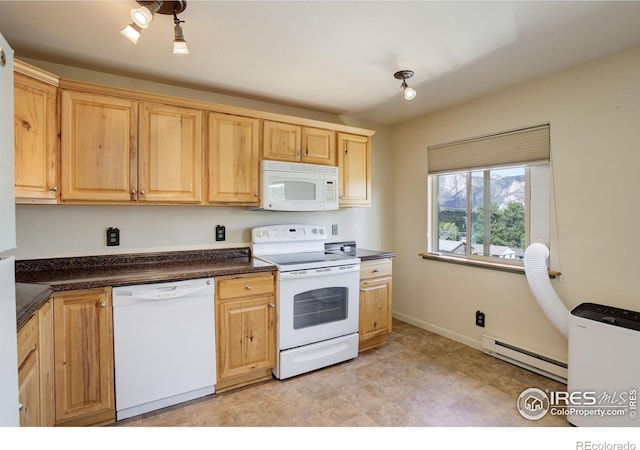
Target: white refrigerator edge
9,403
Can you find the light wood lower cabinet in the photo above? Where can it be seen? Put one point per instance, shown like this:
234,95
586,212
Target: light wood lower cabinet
35,372
84,371
375,303
245,329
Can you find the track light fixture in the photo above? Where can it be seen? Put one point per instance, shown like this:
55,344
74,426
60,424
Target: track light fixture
409,92
179,44
141,18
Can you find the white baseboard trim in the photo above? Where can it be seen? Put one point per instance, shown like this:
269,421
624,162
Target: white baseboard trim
439,330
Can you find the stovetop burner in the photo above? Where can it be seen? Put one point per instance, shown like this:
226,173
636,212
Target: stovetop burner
309,259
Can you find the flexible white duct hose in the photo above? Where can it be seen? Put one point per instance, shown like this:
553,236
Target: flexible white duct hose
535,268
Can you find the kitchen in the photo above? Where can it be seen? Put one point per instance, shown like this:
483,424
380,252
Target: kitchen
58,231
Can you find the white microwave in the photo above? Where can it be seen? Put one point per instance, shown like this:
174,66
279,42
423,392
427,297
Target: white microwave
289,186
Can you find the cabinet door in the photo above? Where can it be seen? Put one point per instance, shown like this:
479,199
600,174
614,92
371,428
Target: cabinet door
318,146
281,141
233,159
83,339
246,336
354,170
29,391
46,364
98,147
35,131
28,374
169,154
375,308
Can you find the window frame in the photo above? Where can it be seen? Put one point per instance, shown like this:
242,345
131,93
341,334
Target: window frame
433,232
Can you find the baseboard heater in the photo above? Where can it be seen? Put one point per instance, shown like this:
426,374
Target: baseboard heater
550,368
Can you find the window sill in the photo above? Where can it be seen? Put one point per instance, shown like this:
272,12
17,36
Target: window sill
482,264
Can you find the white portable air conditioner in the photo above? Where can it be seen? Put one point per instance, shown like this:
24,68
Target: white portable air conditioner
604,366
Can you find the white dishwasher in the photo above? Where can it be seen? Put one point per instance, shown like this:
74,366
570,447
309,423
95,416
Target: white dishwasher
164,344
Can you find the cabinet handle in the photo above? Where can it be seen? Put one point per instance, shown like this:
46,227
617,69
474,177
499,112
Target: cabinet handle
103,304
255,195
133,194
307,151
272,305
20,406
375,270
361,290
53,188
142,192
248,287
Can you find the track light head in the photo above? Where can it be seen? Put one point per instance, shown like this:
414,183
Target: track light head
409,92
143,15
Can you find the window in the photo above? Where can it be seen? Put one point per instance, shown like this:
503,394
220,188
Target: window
489,196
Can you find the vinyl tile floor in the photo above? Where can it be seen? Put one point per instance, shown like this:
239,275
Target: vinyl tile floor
418,379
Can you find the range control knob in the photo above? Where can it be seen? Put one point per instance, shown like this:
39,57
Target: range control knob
321,230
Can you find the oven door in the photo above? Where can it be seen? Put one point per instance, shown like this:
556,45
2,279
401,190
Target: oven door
317,304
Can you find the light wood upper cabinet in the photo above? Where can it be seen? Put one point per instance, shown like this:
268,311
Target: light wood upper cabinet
288,142
318,146
84,367
281,141
354,163
233,159
98,147
116,150
36,135
169,154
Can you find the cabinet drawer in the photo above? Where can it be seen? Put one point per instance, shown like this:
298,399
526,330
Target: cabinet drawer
245,286
375,269
27,339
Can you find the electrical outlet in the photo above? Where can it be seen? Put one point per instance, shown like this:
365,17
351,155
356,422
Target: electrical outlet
334,229
113,237
220,233
480,319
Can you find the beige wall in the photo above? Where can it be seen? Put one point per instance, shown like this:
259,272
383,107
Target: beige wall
594,112
45,231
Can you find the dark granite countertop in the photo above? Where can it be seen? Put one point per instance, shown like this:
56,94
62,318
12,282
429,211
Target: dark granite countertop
39,278
29,297
349,248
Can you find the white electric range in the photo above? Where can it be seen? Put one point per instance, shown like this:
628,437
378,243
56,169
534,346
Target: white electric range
318,297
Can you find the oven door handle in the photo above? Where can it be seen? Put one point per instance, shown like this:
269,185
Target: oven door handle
320,272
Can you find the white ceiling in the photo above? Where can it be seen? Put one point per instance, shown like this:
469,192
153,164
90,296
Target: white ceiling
331,56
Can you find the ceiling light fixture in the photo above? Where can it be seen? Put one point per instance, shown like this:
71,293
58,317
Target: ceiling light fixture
179,44
144,15
409,92
141,18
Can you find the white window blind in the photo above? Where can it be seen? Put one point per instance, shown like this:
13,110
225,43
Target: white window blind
522,146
